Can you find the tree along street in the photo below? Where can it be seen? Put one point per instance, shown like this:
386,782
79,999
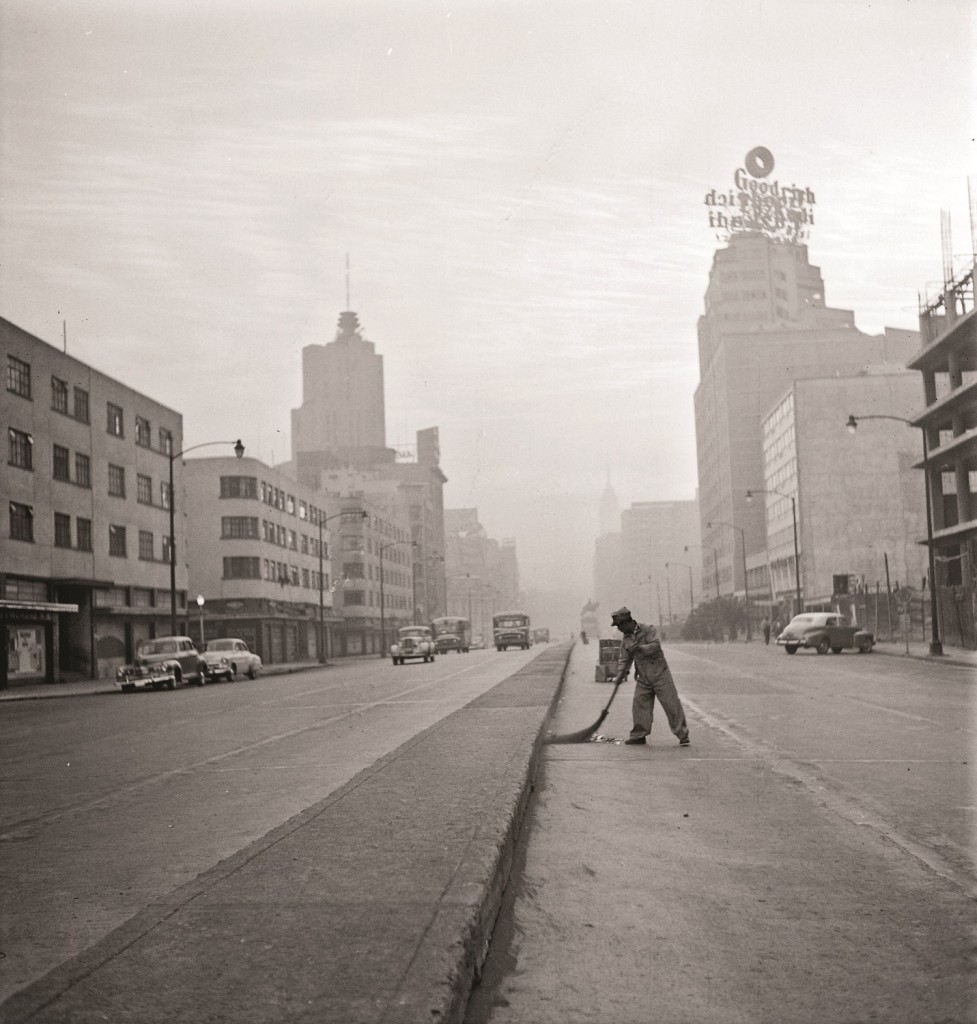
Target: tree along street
111,801
810,858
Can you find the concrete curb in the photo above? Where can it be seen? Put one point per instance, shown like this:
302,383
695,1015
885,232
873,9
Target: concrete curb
376,904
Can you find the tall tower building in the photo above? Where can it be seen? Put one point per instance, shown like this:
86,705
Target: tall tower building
610,511
765,325
342,394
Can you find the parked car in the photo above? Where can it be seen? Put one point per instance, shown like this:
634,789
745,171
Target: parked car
171,660
824,631
478,643
413,642
218,667
144,677
235,653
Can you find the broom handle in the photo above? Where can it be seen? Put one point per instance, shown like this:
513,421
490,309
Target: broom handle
607,706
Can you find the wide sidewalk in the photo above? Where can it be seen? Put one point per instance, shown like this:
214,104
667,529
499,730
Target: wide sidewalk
88,687
374,905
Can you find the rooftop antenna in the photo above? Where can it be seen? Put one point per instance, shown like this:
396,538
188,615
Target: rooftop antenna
972,199
947,247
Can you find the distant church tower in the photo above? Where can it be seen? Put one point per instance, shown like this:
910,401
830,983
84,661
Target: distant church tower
342,394
610,510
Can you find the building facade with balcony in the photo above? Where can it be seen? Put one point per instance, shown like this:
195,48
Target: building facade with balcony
84,548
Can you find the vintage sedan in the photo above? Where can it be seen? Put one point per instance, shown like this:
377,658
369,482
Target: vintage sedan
413,642
167,660
824,631
235,654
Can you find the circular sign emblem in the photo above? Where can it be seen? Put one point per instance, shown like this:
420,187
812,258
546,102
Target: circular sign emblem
759,162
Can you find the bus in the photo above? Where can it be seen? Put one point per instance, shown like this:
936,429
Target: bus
452,633
511,629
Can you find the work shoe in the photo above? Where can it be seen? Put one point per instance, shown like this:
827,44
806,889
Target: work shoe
635,741
684,741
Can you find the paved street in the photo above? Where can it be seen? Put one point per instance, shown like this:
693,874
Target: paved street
810,858
113,800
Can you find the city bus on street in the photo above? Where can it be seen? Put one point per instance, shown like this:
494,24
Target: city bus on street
511,629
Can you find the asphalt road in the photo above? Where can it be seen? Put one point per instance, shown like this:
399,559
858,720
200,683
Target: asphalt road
111,801
810,859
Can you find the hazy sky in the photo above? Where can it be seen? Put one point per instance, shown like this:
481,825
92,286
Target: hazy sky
519,187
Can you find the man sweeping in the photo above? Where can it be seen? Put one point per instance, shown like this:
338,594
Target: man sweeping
642,648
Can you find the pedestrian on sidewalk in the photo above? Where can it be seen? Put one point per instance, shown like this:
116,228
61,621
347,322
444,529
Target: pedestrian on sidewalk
765,626
642,648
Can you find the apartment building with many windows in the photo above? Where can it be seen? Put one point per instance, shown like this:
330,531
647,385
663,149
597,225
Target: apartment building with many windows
278,563
84,542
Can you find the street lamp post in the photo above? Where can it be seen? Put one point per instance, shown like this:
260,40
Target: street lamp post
936,645
200,606
173,456
797,557
383,607
746,585
691,596
362,513
715,561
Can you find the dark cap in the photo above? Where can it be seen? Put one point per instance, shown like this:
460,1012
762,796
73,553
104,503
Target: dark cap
621,615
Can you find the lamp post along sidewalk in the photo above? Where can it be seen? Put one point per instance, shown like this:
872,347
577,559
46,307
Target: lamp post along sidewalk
746,585
383,607
691,594
173,456
362,513
715,561
797,557
936,645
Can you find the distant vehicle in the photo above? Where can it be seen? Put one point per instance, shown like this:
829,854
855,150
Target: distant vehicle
824,631
452,633
235,654
171,660
541,636
413,642
511,629
478,643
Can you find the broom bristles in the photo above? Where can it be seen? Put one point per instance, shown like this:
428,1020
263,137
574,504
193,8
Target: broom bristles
582,736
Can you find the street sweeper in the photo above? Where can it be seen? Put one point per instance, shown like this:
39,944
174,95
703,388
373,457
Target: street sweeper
641,647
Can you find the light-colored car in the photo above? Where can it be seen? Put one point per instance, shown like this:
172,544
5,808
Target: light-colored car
235,654
165,661
478,643
824,631
413,642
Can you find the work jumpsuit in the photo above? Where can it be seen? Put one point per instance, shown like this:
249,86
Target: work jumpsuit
643,649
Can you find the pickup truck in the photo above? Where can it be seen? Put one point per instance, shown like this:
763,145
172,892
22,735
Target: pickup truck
824,631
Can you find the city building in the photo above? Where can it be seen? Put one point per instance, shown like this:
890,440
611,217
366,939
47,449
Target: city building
84,553
481,573
765,325
860,509
254,556
339,437
947,361
660,561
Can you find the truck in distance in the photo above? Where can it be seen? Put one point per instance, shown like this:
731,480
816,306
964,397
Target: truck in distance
511,629
452,633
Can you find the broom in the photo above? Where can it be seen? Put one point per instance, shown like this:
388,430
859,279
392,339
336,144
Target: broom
583,735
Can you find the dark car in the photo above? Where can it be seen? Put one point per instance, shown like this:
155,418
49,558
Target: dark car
167,660
824,631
